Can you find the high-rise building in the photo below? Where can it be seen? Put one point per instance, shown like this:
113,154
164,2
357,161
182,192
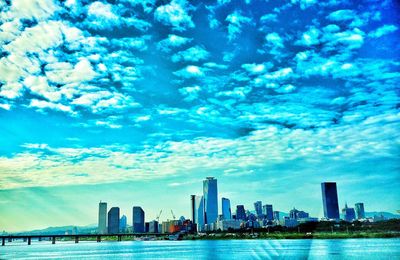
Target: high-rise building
113,220
153,226
226,209
359,207
122,224
240,212
268,212
193,207
276,215
137,220
330,200
348,213
102,227
199,212
210,193
258,208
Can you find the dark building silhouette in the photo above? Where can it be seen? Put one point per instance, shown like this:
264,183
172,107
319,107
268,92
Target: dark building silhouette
138,220
359,207
348,213
330,200
240,212
268,212
113,220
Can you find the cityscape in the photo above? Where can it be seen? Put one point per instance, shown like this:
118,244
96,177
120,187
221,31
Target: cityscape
206,217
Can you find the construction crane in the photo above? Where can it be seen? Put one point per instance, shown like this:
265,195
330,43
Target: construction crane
173,215
158,216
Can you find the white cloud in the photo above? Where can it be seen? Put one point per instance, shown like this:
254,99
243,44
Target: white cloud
383,30
236,21
172,41
310,37
190,71
175,14
193,54
341,15
30,9
190,93
65,73
257,68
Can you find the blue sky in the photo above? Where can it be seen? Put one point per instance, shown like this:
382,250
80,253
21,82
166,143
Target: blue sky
135,102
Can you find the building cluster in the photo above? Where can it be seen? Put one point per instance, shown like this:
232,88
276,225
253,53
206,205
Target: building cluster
205,217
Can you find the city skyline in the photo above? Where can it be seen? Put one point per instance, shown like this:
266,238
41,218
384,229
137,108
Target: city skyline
137,102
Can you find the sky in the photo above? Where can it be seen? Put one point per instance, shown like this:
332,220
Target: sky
135,102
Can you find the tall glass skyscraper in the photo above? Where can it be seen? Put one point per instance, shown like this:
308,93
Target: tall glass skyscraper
102,227
258,208
210,193
240,212
330,200
268,212
359,207
113,220
199,212
349,214
137,219
122,224
226,209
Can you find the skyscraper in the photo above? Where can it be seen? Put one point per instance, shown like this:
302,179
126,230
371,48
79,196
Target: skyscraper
330,200
360,210
137,219
199,212
268,212
113,220
226,209
258,208
240,212
210,193
193,207
122,224
102,227
348,213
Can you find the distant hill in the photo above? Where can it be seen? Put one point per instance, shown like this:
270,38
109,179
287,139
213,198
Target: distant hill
61,230
387,215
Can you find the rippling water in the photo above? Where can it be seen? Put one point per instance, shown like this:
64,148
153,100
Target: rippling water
210,249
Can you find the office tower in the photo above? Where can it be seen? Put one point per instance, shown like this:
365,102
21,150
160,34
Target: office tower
276,215
226,209
137,219
360,210
199,212
210,193
240,212
122,224
330,200
293,213
193,207
258,208
268,212
153,226
102,228
348,213
113,220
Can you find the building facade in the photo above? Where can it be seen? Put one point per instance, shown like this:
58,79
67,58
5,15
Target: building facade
349,214
268,212
240,212
113,220
226,209
102,227
199,212
210,193
258,208
359,207
138,220
330,200
122,224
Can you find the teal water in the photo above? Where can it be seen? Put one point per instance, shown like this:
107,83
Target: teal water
211,249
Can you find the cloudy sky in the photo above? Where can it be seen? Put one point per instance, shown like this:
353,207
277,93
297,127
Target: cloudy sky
135,102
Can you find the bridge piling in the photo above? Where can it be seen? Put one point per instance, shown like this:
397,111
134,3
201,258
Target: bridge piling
98,239
29,241
3,241
53,240
76,239
119,238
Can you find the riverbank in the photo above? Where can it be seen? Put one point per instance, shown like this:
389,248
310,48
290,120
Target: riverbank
288,235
